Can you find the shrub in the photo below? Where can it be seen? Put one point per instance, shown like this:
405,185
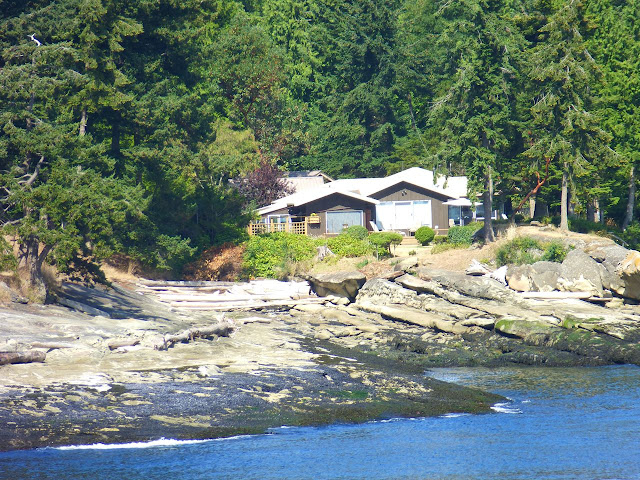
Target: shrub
463,235
555,252
526,250
582,225
357,231
346,245
271,255
425,235
384,240
444,246
440,239
632,236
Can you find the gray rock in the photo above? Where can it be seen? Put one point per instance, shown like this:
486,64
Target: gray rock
544,276
479,287
580,273
406,264
519,278
341,284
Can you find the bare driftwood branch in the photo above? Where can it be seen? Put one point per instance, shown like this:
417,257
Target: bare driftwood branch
222,329
122,342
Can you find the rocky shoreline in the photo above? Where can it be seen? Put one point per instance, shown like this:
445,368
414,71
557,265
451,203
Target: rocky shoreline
139,369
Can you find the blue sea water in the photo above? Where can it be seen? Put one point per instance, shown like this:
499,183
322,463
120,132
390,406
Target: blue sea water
578,423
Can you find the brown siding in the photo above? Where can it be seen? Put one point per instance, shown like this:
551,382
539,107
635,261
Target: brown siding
439,214
333,203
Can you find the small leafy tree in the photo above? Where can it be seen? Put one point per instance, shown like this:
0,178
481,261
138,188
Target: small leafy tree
263,185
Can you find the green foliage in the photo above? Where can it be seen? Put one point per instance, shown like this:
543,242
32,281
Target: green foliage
357,231
384,240
8,260
438,239
425,235
347,245
445,246
632,236
582,225
463,235
271,254
526,250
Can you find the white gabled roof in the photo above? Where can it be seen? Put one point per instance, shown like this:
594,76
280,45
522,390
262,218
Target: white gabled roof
302,198
363,188
453,187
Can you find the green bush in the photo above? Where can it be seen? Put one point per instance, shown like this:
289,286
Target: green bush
347,245
384,240
440,239
632,236
526,250
554,252
270,255
463,235
425,235
357,231
582,225
444,246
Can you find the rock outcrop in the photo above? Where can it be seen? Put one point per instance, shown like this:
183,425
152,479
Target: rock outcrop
340,284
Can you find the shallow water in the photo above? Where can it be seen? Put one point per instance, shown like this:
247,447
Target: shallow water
560,424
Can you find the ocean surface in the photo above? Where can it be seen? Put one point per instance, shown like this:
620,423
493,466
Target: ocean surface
573,423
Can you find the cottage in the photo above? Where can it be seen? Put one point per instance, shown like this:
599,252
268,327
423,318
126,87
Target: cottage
402,202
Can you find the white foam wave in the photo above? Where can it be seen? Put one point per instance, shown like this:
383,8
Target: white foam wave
505,408
161,442
454,415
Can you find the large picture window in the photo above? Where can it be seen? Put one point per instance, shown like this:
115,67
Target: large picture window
338,221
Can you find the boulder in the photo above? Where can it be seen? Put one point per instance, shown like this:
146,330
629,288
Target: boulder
544,276
478,287
519,278
340,284
628,271
406,264
580,273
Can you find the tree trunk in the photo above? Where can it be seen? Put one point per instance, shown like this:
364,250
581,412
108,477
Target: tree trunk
591,210
564,219
532,206
83,122
487,200
631,200
30,263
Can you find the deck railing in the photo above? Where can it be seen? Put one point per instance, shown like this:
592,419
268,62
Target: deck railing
299,228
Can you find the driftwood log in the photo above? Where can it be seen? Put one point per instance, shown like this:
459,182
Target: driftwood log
29,356
222,329
52,345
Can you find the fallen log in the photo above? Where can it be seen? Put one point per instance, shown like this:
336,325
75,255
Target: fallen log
52,345
222,329
29,356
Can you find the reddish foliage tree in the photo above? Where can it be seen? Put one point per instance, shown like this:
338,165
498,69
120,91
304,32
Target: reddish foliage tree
263,185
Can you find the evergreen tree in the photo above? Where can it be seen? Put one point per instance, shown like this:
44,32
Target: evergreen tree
566,129
475,109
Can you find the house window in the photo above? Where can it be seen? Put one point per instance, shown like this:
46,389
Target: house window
338,221
278,219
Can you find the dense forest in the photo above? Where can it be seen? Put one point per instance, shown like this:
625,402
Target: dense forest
122,121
